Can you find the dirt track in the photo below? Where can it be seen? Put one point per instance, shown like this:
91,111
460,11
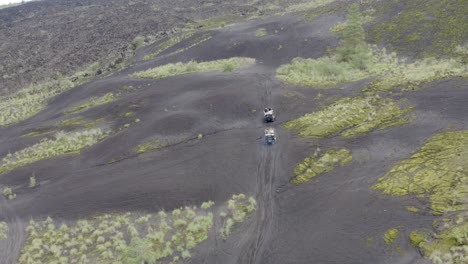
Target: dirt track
327,220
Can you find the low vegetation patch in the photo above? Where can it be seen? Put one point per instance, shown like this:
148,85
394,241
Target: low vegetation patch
62,143
416,238
425,27
8,193
409,76
320,163
29,101
119,238
93,102
355,60
239,209
439,170
261,32
448,245
3,230
168,43
390,235
178,68
195,42
413,209
149,145
351,116
306,6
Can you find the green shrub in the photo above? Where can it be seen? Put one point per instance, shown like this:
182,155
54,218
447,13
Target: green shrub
239,208
149,145
173,69
309,5
438,170
118,238
318,164
3,230
416,238
168,43
138,42
351,117
390,235
63,143
355,60
8,192
32,181
261,32
93,102
412,209
31,100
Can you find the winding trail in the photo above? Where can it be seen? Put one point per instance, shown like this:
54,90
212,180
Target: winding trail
265,175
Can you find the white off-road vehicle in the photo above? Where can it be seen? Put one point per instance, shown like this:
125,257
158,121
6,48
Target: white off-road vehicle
268,115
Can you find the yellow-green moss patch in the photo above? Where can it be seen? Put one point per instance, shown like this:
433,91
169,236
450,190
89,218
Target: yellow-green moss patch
450,244
416,238
351,116
62,143
93,102
149,145
413,209
320,163
172,69
390,235
439,169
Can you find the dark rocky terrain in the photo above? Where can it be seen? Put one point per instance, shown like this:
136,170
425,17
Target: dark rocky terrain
334,218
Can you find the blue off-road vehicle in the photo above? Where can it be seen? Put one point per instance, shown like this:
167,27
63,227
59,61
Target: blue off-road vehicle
270,137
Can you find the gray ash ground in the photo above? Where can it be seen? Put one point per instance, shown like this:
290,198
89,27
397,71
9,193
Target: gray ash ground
330,219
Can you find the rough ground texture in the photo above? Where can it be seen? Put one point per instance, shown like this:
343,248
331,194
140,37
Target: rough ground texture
50,36
333,218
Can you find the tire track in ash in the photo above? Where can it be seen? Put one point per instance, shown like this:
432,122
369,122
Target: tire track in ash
9,252
265,173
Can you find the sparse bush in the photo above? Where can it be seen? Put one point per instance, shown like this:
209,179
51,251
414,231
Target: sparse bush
167,44
64,142
318,164
31,100
412,209
32,181
416,238
3,230
178,68
102,238
390,235
138,42
261,32
207,205
239,208
351,117
8,192
93,102
355,60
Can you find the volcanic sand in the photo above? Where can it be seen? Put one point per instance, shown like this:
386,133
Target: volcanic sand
330,219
